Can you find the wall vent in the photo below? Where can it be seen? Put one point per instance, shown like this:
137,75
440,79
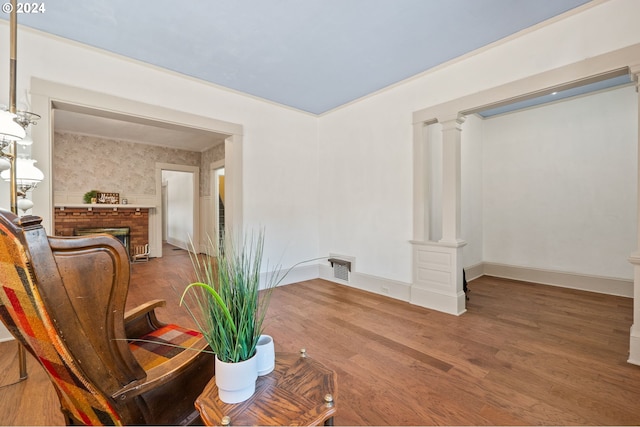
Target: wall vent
341,268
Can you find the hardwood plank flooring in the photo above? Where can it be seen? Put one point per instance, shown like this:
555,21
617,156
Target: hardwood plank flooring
523,354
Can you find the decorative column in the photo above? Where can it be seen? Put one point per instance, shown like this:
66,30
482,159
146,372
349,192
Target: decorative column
420,184
634,340
437,266
451,178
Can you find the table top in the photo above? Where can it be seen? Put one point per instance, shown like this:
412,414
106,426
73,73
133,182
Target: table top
299,391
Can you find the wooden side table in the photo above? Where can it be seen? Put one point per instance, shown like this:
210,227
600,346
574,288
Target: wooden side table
300,391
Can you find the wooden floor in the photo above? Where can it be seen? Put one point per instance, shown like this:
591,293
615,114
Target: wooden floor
523,354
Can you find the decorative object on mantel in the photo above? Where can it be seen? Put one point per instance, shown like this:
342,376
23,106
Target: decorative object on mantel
90,196
108,198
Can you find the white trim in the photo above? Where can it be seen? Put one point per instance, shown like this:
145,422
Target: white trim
205,213
214,204
76,199
583,282
218,164
474,271
233,183
590,69
301,273
377,285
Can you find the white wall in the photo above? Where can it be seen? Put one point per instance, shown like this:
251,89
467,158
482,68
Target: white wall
179,213
366,191
560,185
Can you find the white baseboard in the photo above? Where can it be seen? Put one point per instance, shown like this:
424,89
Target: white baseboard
474,271
378,285
583,282
298,274
178,243
450,303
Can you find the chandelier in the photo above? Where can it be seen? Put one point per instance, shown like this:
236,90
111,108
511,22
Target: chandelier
17,168
19,171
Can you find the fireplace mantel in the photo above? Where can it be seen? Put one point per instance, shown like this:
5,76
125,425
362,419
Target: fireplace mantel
92,206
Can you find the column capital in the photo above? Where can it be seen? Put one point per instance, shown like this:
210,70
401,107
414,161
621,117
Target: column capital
634,71
452,121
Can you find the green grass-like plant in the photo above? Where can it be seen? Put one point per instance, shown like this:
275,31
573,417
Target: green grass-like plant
226,302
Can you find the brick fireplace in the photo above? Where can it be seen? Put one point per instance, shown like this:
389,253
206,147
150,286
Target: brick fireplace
68,220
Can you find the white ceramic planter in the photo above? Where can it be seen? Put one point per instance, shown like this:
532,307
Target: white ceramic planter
266,355
236,381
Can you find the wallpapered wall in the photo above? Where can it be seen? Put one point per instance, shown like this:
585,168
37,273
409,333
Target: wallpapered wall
83,163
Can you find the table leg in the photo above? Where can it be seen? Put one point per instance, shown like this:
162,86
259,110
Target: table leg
22,362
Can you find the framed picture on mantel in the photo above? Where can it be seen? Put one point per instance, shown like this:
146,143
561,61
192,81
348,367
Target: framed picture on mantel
109,198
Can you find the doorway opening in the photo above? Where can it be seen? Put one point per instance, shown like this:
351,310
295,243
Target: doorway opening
217,232
179,194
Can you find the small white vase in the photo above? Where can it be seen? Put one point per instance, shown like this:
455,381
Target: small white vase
266,355
236,381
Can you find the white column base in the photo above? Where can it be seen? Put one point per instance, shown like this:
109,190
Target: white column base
446,303
437,276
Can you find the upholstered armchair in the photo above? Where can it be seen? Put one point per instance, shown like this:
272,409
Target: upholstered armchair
64,300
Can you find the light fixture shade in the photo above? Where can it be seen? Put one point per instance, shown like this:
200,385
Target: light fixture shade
26,172
4,164
24,204
9,128
27,140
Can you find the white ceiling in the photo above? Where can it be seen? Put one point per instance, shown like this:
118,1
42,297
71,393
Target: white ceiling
312,55
127,129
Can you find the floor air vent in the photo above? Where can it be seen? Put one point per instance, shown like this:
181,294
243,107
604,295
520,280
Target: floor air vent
341,268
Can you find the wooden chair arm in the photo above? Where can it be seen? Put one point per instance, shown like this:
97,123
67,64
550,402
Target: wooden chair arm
141,320
143,309
166,372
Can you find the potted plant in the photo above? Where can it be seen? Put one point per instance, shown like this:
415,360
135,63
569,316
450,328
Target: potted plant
90,196
229,310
